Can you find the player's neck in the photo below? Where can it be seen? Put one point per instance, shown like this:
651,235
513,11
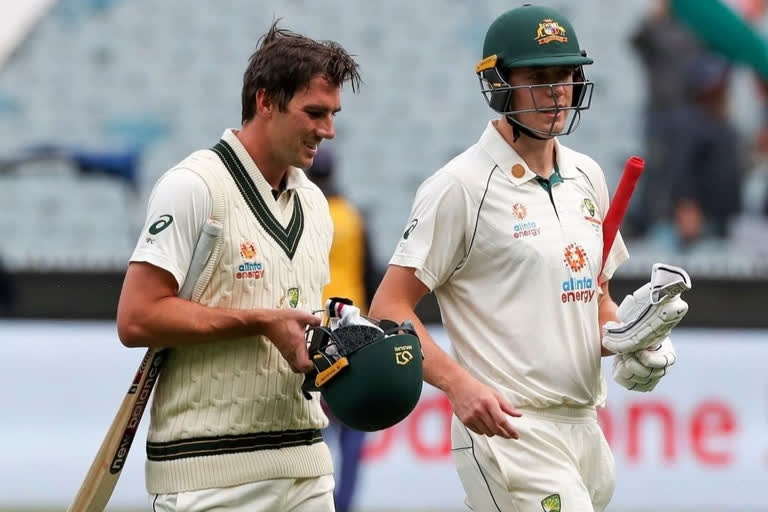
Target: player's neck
258,149
539,155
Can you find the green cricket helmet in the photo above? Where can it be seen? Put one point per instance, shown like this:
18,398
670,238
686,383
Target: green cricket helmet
532,36
370,377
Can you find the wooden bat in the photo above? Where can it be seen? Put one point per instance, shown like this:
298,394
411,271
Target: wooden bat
102,476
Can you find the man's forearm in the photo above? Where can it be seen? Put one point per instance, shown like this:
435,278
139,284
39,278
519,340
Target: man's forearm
440,369
173,322
606,312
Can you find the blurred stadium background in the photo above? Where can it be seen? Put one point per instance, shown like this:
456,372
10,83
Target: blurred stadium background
100,97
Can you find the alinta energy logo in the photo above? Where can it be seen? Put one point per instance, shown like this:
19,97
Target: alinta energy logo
524,228
249,268
577,289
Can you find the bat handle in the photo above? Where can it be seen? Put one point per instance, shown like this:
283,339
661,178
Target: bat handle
632,170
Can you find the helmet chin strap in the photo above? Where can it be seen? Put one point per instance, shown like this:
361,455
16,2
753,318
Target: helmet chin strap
518,129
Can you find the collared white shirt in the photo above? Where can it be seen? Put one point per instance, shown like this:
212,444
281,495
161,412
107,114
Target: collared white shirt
515,269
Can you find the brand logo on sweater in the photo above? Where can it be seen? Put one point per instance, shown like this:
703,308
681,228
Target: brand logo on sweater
248,250
249,268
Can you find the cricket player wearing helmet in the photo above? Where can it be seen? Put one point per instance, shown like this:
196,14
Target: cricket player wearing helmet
521,285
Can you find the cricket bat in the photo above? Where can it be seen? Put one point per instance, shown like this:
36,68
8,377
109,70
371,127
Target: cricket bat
629,177
102,476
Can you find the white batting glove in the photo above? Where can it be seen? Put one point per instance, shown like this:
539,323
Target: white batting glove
642,370
661,356
649,314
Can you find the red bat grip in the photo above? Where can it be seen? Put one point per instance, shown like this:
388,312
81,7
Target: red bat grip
632,171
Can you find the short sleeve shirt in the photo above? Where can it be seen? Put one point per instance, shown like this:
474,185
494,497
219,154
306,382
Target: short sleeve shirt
515,266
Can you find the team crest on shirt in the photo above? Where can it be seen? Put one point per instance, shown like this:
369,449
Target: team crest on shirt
291,298
524,228
551,503
579,287
589,211
249,267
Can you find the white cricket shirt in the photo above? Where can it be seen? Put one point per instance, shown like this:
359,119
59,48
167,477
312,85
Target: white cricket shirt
514,267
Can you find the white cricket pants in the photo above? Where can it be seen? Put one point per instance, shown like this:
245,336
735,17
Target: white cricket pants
279,495
561,451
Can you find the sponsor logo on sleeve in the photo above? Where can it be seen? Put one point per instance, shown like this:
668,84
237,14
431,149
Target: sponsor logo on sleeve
160,224
411,227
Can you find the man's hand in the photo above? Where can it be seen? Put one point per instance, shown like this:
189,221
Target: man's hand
285,329
642,370
649,314
482,409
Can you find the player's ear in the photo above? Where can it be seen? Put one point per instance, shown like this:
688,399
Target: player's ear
265,103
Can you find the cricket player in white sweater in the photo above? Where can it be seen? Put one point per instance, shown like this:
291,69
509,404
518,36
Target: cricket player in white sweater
230,428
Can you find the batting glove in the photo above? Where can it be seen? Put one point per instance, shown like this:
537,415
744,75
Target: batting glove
649,314
642,370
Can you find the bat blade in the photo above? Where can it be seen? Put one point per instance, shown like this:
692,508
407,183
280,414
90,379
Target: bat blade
102,477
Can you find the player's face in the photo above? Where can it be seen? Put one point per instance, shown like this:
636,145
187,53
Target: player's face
308,119
530,98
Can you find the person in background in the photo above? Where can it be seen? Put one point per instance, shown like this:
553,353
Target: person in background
353,276
705,159
664,47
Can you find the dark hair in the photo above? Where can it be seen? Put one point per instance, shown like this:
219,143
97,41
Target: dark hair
285,62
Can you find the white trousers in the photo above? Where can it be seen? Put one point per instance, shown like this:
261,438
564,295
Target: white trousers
279,495
561,462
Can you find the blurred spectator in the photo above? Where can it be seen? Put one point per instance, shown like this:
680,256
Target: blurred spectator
756,190
695,160
704,159
352,276
664,47
710,158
